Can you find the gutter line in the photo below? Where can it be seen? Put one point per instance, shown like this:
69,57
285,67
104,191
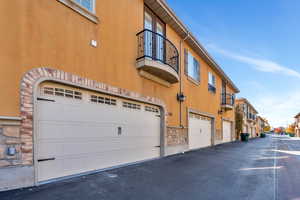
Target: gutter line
180,77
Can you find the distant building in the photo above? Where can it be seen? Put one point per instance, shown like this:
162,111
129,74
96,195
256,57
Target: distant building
249,116
297,125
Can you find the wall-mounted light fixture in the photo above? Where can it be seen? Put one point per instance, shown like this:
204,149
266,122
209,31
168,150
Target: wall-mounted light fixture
220,111
94,43
181,97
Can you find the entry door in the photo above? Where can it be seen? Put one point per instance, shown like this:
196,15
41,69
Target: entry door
199,131
160,42
226,131
154,43
91,133
148,24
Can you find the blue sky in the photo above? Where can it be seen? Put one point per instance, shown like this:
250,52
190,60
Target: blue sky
257,44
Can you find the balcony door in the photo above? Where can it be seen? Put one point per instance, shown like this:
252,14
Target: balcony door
154,36
224,92
148,25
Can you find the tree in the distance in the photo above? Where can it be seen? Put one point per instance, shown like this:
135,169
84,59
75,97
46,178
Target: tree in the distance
238,121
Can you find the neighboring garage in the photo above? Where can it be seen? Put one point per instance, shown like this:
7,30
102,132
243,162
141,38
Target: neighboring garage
79,131
227,127
200,131
253,132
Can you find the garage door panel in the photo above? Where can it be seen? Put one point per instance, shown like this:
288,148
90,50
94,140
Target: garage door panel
199,132
227,131
56,148
84,136
52,130
65,166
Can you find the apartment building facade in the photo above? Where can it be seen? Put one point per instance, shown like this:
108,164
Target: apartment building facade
90,85
260,124
297,125
249,117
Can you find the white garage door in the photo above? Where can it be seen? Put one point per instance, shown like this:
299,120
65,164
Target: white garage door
226,131
79,132
199,131
251,132
254,132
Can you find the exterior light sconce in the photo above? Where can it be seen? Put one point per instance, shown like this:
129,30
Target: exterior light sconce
220,112
181,97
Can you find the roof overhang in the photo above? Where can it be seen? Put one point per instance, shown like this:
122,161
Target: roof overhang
161,8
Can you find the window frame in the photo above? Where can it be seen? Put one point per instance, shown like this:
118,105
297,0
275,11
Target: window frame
78,8
93,5
189,56
212,87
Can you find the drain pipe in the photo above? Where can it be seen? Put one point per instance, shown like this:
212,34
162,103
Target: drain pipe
180,78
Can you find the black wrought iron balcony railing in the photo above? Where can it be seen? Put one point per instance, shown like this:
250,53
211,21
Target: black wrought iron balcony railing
158,48
227,99
251,116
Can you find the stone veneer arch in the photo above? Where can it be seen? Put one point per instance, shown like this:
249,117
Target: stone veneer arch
35,76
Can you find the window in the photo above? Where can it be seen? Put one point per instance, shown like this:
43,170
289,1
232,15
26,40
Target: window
86,8
87,4
103,100
151,109
192,67
62,92
211,82
131,105
154,43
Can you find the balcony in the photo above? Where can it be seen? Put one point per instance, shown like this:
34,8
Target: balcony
157,56
227,101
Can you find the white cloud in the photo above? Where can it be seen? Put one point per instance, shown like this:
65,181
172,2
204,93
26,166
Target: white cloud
258,64
279,107
278,110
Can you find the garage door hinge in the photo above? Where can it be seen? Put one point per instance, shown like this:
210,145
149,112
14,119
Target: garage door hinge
158,146
43,99
45,159
157,115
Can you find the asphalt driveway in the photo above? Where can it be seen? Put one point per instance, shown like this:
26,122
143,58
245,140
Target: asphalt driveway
267,168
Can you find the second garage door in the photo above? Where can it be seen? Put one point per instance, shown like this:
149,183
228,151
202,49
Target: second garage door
78,132
199,131
226,131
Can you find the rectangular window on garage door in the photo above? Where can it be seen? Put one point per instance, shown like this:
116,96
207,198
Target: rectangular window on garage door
103,100
61,92
152,109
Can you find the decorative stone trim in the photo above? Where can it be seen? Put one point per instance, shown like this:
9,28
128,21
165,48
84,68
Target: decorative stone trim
35,76
177,136
10,139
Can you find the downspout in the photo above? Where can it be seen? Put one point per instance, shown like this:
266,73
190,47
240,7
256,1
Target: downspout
180,77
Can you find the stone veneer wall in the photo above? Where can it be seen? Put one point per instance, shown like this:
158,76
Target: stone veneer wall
177,136
10,137
36,75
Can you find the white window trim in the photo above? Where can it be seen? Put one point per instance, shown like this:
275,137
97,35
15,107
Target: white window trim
188,72
213,79
81,10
